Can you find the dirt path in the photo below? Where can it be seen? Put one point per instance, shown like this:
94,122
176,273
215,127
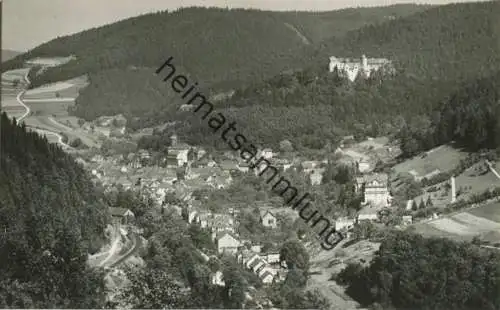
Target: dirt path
115,248
492,169
321,281
301,36
136,243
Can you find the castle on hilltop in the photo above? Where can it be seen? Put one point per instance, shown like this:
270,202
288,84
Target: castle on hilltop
350,68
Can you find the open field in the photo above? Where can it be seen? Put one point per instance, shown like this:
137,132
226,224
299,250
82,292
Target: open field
470,185
483,221
443,158
17,74
477,184
369,151
50,61
49,108
490,211
64,89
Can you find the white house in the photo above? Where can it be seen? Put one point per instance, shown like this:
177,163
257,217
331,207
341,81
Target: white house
368,214
308,166
376,189
256,264
363,166
267,277
177,154
250,260
217,279
272,258
121,216
344,223
227,243
316,177
267,154
268,219
407,219
256,248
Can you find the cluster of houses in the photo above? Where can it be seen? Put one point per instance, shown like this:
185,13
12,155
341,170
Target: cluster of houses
225,236
266,266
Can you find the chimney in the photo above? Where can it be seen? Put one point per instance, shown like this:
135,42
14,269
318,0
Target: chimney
453,190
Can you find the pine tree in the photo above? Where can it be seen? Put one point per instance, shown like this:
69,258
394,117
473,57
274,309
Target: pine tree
429,202
421,204
414,206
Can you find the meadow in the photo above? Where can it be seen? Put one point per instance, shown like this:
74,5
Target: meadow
443,159
483,221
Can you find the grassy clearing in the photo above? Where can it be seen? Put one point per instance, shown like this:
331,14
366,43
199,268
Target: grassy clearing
443,158
63,89
428,230
482,221
490,211
58,109
477,184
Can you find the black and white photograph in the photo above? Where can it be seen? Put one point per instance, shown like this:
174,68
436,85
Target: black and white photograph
250,154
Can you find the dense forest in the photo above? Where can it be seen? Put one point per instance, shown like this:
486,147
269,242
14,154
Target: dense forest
51,217
412,272
215,45
435,53
219,48
470,117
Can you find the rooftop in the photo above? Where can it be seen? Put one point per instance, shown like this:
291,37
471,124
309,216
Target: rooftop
367,178
118,211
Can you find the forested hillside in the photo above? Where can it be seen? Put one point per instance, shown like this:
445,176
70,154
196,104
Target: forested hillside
219,48
445,42
215,45
51,217
411,272
470,117
436,53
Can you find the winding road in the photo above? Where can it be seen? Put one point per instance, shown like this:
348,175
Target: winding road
19,99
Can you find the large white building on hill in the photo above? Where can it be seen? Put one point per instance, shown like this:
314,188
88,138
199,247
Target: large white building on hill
350,68
375,188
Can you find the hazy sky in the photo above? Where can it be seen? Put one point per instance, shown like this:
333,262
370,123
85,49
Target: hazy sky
28,23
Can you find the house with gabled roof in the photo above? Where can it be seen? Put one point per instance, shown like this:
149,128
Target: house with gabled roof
121,216
227,243
228,165
376,189
268,219
221,222
256,264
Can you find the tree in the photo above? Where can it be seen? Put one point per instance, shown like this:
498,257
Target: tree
476,240
235,285
429,202
421,204
295,255
153,289
76,143
286,146
414,205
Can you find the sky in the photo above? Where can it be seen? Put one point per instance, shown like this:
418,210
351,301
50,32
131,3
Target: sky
29,23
